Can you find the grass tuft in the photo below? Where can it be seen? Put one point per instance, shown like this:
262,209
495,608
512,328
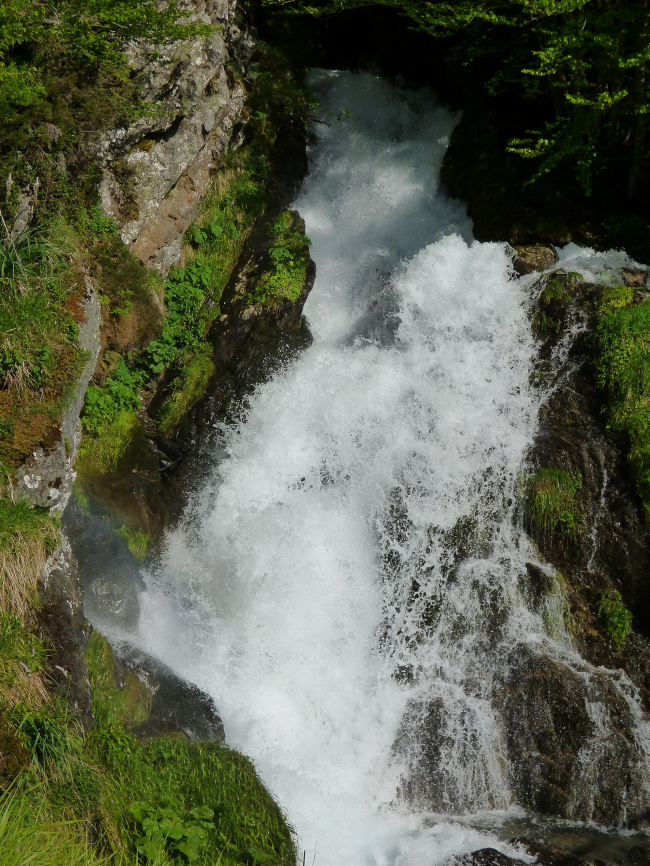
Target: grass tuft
27,537
550,501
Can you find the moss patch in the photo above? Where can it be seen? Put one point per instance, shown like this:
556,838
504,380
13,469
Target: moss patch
107,451
190,386
129,705
281,274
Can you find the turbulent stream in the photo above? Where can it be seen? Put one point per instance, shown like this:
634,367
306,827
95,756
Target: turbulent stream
348,583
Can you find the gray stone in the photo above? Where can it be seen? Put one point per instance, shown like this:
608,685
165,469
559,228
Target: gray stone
198,103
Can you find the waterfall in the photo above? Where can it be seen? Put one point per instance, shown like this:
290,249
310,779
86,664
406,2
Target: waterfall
348,583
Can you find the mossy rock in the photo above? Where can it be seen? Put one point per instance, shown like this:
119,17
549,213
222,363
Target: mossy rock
119,692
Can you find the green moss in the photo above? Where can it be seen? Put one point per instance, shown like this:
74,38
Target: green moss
283,272
616,617
129,705
189,387
550,501
558,619
552,304
107,451
137,540
615,298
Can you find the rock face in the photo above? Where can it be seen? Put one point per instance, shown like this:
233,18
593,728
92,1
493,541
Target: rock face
47,476
177,706
157,169
571,743
65,629
573,728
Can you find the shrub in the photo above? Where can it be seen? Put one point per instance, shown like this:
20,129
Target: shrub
617,618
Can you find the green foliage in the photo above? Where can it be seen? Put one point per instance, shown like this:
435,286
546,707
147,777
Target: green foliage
623,370
616,617
119,393
163,829
550,501
586,58
288,259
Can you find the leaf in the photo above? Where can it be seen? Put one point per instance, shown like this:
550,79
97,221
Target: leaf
139,810
190,851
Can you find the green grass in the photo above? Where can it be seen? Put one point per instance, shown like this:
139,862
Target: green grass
104,797
623,371
247,826
108,449
30,837
39,354
19,524
550,501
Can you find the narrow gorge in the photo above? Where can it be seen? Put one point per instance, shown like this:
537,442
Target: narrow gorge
349,497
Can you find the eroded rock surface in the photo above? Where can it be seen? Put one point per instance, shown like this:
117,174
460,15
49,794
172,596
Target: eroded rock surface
157,169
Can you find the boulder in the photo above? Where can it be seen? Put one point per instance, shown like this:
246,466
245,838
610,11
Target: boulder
529,259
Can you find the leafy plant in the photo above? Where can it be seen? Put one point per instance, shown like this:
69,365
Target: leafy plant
172,828
617,618
119,392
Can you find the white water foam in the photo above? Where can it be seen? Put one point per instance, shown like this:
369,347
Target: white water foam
354,561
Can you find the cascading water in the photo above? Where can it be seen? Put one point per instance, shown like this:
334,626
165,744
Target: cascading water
348,584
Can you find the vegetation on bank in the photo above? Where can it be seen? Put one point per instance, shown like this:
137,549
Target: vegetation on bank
102,796
623,370
180,349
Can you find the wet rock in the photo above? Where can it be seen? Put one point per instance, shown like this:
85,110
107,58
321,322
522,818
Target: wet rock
637,278
65,630
178,707
571,742
609,548
529,259
487,857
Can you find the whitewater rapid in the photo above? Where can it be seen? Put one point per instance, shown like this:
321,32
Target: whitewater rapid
316,588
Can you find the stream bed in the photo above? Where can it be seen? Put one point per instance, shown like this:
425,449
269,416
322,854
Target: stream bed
347,585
